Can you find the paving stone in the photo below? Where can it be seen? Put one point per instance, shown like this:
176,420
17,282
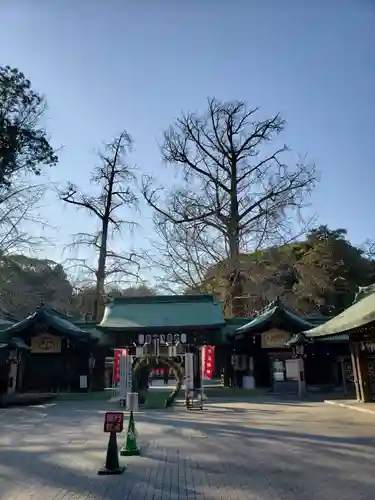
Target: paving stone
264,450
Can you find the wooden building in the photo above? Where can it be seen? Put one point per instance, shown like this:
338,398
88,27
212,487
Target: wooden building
189,321
11,352
356,325
58,355
262,351
62,355
184,319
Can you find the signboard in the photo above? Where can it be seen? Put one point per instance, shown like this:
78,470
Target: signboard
274,339
278,372
45,344
292,369
207,352
132,403
167,338
189,373
113,421
83,382
118,353
126,382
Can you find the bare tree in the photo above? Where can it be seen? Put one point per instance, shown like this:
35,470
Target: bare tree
114,179
236,193
369,249
185,257
18,214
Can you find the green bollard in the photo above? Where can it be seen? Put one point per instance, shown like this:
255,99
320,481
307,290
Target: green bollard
130,449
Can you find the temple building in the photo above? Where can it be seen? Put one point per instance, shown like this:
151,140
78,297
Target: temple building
356,327
186,322
263,353
186,319
48,354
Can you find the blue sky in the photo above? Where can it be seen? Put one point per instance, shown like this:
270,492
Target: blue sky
105,66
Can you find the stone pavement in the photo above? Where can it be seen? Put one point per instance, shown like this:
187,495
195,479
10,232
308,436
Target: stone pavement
264,450
352,404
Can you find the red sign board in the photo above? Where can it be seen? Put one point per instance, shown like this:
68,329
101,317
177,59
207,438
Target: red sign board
116,364
113,421
208,354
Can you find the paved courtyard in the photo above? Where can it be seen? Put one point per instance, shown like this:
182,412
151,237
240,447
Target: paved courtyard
262,450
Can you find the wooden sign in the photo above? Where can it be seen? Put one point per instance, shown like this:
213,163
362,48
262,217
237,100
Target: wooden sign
189,373
45,344
274,339
114,421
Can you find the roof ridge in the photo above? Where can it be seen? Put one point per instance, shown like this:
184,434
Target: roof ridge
164,299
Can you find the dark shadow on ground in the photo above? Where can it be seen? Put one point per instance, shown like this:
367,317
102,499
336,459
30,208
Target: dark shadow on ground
308,450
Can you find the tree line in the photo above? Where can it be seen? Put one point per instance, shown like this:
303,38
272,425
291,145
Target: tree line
234,225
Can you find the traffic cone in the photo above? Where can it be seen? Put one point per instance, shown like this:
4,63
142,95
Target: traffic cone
130,448
112,465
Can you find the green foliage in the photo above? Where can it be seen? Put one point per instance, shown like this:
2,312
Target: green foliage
23,144
330,270
26,281
322,273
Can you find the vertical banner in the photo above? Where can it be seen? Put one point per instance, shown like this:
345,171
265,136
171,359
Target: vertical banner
118,353
203,360
189,373
126,365
208,358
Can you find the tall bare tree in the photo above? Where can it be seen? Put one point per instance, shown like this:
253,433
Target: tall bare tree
236,190
115,180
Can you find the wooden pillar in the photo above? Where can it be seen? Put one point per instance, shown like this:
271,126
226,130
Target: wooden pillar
301,378
363,375
353,349
20,373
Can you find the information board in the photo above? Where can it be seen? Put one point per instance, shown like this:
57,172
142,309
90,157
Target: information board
126,363
113,421
189,373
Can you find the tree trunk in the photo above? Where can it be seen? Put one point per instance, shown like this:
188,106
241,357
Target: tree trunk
235,281
100,273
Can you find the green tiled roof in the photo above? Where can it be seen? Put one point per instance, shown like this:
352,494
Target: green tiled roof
102,338
275,314
360,313
5,323
51,318
163,312
342,337
232,325
316,318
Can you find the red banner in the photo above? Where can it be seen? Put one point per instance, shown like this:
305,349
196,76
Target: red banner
116,364
208,358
